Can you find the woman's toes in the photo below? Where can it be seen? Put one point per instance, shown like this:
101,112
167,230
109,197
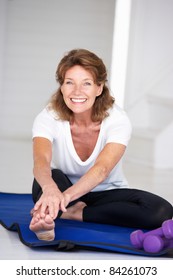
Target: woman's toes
43,228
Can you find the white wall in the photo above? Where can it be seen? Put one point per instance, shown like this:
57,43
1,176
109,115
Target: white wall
150,57
149,83
3,12
36,34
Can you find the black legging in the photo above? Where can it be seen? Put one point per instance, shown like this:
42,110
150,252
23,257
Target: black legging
122,207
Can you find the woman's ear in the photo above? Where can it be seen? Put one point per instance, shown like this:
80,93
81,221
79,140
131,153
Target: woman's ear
100,89
61,88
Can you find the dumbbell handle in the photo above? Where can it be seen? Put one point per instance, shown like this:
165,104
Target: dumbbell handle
165,230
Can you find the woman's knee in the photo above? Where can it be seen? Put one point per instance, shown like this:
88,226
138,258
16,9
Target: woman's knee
163,212
57,172
61,179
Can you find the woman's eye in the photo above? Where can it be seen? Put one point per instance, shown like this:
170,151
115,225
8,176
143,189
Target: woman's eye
87,84
68,83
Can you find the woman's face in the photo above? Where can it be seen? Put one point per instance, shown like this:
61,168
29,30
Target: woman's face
79,90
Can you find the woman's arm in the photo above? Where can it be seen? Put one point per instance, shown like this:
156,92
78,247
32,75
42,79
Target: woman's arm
52,197
106,161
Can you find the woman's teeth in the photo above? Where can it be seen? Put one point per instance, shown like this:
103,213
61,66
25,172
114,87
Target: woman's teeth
78,100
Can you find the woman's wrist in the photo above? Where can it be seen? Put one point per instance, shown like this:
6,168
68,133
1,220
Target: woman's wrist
70,194
49,186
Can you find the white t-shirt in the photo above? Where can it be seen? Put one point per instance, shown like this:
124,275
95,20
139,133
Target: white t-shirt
115,128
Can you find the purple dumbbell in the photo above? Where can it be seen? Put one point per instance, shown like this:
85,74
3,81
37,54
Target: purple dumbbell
155,243
166,230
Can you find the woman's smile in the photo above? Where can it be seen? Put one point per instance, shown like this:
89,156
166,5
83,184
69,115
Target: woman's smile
78,100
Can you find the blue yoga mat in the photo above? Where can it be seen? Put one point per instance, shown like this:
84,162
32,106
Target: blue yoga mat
15,216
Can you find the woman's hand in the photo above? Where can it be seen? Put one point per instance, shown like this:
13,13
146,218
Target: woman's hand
51,201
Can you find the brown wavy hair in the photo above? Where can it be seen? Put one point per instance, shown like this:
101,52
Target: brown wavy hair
92,63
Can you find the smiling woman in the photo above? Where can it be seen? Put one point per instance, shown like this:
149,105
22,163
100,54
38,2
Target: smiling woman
79,140
93,75
79,89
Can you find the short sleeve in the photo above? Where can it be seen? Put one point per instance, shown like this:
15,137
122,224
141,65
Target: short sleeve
119,128
43,125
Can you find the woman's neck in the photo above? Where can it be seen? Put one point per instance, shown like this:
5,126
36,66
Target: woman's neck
82,120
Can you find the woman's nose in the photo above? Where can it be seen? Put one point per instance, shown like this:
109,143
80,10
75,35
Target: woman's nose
77,88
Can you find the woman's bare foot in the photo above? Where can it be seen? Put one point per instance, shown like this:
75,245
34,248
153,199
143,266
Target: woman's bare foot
74,212
43,227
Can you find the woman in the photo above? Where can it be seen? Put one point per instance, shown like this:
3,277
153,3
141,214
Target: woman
78,143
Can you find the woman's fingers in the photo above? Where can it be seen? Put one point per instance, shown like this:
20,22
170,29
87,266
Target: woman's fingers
62,206
53,209
51,204
64,202
37,205
43,209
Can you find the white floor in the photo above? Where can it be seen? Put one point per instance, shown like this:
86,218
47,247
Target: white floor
16,176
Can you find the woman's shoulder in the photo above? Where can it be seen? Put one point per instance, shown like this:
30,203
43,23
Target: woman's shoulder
48,118
48,113
117,126
46,124
117,114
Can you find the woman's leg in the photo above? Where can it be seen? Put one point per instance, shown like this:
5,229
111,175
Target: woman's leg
44,227
60,179
126,207
62,182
